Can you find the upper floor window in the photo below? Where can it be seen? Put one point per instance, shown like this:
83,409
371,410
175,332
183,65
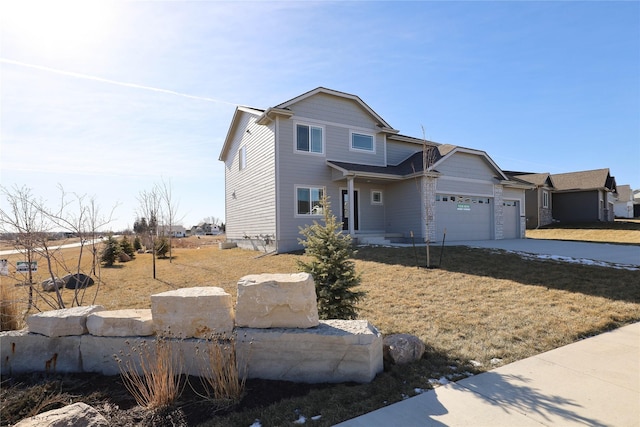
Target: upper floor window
360,141
309,200
309,138
242,158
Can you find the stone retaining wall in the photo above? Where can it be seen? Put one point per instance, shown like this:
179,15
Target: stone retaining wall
301,348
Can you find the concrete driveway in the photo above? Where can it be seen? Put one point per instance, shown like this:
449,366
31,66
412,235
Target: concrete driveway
604,252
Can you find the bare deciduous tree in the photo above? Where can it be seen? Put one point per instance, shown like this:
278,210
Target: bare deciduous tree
151,208
170,210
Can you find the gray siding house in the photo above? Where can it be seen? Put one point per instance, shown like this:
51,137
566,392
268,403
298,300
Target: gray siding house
538,200
585,196
280,161
623,206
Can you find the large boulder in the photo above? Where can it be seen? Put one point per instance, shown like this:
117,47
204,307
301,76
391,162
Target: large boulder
52,284
402,348
121,323
277,301
334,351
123,257
77,415
77,281
198,312
60,323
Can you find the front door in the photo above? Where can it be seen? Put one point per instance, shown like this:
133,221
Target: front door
346,215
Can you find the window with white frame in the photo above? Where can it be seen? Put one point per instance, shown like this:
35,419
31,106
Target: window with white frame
376,197
362,142
545,199
309,139
309,200
242,158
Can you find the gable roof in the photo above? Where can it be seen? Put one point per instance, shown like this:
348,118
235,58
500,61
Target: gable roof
624,193
381,122
538,179
596,179
234,122
413,165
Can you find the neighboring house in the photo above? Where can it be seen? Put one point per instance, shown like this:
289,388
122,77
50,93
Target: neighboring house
205,228
583,196
173,231
623,206
538,200
279,163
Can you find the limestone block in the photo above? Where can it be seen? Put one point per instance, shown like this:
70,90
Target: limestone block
77,414
103,355
192,312
334,351
277,301
121,323
402,348
24,352
64,322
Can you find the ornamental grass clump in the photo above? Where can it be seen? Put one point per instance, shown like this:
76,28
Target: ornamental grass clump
10,318
331,266
154,377
219,374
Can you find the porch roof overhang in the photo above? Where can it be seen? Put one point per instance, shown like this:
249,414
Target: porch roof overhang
403,171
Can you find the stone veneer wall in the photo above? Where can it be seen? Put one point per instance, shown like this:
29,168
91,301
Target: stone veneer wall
298,348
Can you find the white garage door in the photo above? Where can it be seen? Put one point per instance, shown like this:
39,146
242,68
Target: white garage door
511,227
464,217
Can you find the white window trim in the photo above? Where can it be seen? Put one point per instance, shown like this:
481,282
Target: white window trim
242,158
295,200
295,138
360,150
545,199
373,202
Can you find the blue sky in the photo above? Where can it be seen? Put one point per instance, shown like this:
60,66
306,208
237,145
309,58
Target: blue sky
108,98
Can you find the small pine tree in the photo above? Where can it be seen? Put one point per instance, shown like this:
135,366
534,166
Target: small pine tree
137,244
110,252
162,247
331,266
127,247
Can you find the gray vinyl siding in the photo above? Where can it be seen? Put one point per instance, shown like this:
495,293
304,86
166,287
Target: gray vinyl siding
328,108
397,152
403,209
250,193
466,165
465,188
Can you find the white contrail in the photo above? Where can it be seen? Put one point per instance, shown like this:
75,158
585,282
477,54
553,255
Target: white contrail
113,82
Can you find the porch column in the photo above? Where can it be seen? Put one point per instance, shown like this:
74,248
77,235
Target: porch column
351,206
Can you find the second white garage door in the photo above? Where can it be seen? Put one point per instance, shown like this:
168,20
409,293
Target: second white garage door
464,217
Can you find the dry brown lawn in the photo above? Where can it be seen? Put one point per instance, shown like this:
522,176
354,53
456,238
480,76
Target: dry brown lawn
479,305
625,231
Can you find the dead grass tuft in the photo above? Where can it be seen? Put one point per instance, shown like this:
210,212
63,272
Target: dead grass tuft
10,308
153,377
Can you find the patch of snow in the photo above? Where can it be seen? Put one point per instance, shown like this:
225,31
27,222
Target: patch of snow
316,418
443,381
256,423
300,420
571,260
434,382
496,360
418,390
475,363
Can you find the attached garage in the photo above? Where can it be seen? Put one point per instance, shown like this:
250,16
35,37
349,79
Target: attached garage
511,224
464,217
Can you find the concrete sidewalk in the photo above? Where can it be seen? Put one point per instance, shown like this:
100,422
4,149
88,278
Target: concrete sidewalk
593,382
617,254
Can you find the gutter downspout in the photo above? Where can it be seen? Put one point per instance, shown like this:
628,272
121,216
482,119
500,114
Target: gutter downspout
351,217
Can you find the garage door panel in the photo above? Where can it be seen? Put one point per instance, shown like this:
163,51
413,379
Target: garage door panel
464,219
